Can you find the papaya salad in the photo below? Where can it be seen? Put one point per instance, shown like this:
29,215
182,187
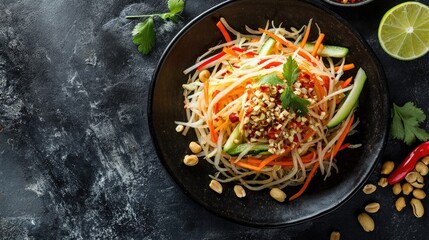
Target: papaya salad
271,107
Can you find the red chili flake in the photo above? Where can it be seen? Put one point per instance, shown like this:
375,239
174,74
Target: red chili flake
264,88
233,117
272,132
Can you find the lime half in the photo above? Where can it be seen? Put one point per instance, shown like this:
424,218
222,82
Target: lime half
404,31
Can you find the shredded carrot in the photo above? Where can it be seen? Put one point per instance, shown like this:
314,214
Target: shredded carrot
230,52
346,82
319,89
307,33
326,82
317,44
286,43
343,136
213,134
248,53
267,160
206,92
278,39
307,182
247,165
223,31
254,40
310,133
223,125
346,67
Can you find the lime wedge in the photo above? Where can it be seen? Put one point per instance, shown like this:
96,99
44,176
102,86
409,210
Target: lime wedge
404,31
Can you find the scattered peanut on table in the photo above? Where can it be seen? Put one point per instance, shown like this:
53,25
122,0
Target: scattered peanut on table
396,189
369,188
366,222
372,207
400,204
387,167
335,236
382,182
418,209
407,188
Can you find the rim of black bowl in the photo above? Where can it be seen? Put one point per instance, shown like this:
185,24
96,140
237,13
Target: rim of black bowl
333,2
385,100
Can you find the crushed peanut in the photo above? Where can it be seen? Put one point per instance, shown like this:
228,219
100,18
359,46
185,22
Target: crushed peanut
179,128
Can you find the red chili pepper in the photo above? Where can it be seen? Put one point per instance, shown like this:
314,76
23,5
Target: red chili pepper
210,60
408,164
269,65
272,64
249,53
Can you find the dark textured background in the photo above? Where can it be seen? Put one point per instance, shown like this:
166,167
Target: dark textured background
76,158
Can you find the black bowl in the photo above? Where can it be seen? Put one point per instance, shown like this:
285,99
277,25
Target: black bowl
257,208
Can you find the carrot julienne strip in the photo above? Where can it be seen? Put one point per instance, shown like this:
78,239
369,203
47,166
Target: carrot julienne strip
247,165
230,52
306,183
343,136
317,44
346,67
307,33
213,134
346,82
223,31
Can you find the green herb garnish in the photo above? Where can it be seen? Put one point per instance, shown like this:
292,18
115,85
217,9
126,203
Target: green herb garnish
288,97
270,79
405,123
144,32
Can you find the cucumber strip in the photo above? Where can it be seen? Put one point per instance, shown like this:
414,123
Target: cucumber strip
328,50
351,100
259,148
234,137
266,48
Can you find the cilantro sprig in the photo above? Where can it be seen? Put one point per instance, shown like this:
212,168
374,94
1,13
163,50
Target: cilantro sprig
288,97
144,32
405,123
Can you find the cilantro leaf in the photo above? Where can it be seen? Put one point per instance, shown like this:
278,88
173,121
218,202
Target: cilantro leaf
144,36
290,70
410,110
270,79
288,97
299,105
176,6
144,32
397,128
405,123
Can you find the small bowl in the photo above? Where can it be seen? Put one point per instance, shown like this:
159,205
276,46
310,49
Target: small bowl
356,4
258,208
